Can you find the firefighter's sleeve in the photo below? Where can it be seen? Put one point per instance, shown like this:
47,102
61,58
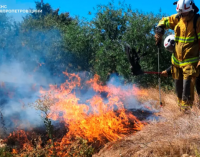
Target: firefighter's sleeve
198,33
169,22
169,70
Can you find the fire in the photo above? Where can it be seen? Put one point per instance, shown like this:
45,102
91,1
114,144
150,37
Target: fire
20,140
14,151
96,119
112,90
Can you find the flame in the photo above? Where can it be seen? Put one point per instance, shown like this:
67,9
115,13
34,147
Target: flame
14,151
21,140
96,119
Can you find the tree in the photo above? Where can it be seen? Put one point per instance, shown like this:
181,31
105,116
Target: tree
113,28
43,37
140,35
109,27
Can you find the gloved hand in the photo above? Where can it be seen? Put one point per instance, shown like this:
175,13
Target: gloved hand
158,38
164,73
159,30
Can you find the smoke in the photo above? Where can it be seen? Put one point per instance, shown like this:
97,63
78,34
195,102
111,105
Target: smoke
144,111
19,89
35,59
116,86
26,65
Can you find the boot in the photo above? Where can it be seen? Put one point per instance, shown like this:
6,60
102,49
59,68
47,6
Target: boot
179,90
197,84
186,107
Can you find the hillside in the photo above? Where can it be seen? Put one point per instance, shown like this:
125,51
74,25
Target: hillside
175,134
158,131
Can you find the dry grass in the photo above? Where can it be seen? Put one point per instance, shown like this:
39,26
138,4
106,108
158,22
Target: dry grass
174,135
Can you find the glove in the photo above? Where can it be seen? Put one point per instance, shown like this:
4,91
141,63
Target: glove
164,73
158,38
159,30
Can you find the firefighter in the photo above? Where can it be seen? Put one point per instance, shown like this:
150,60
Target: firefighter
169,44
185,59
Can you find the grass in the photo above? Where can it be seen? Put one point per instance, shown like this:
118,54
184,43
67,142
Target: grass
174,135
4,152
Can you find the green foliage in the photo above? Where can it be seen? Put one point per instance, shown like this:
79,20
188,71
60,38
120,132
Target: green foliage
3,124
74,44
43,104
48,19
59,41
109,27
196,151
4,152
42,34
140,35
49,128
112,28
79,41
80,148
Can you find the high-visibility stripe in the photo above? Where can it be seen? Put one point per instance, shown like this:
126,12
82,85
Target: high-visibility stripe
185,62
184,40
165,22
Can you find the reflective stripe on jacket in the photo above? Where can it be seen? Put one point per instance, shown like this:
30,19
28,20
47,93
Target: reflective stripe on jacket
184,62
186,46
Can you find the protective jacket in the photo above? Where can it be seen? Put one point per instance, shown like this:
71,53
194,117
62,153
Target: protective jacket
186,42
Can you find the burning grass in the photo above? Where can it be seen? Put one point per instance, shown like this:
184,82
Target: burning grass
82,124
78,125
175,135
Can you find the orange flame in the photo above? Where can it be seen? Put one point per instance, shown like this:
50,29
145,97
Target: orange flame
97,119
20,137
14,151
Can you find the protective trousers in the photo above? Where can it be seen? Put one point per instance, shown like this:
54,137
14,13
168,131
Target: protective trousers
198,85
184,84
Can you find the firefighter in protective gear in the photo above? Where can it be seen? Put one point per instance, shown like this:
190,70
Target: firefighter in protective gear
169,44
185,59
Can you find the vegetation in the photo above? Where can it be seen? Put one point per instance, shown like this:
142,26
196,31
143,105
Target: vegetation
60,42
174,135
57,43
